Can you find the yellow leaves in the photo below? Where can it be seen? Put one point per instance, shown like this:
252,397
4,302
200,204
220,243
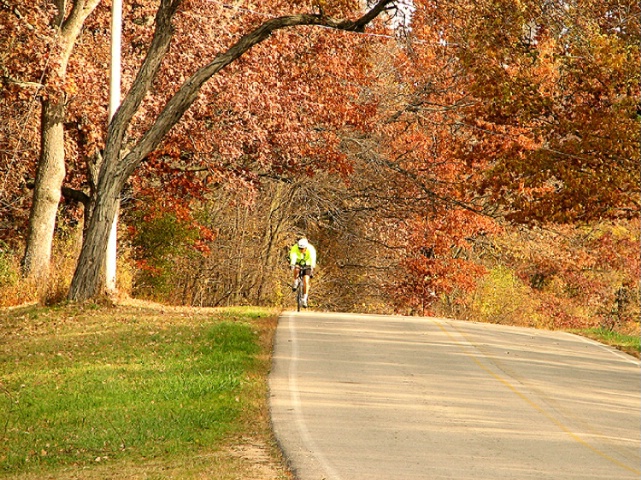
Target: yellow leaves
501,296
70,86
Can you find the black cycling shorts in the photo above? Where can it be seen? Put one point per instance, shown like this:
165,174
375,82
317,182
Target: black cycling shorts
307,270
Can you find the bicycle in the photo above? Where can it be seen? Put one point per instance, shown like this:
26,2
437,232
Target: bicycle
300,288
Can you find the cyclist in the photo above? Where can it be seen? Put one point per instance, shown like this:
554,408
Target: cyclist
302,255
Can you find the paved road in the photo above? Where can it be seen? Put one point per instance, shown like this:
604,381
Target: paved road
375,397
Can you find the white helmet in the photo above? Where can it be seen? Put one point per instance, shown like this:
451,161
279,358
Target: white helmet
303,243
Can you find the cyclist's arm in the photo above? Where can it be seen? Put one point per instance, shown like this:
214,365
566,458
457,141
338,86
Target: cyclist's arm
293,257
312,257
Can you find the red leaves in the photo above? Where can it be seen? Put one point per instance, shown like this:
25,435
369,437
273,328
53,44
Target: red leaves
437,259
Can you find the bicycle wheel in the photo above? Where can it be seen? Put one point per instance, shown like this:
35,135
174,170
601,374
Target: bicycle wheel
299,298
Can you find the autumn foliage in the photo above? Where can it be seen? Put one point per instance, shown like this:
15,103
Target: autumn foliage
450,151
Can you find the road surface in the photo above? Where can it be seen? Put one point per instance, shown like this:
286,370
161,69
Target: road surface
381,397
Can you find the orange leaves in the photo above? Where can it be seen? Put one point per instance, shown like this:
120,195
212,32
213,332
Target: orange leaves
550,107
425,281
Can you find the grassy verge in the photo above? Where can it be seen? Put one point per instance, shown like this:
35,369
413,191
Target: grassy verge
136,392
626,343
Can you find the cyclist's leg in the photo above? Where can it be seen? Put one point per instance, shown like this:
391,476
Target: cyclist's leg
305,290
296,271
306,285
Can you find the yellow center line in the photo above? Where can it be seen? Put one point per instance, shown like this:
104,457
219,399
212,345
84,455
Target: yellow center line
533,404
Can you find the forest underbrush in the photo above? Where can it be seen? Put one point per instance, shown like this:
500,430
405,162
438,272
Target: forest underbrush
583,280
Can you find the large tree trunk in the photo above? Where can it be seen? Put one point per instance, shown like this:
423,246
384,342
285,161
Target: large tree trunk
88,280
51,165
115,170
46,195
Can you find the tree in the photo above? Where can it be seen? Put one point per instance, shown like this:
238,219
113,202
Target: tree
488,111
413,178
121,158
477,107
66,26
557,91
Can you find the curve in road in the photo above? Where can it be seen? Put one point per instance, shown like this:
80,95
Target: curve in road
378,397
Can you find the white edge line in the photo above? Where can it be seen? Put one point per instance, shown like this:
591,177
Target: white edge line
616,353
306,437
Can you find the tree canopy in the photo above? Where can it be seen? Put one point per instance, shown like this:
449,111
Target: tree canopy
446,121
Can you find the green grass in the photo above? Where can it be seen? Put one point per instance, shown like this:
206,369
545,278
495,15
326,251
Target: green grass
626,343
79,387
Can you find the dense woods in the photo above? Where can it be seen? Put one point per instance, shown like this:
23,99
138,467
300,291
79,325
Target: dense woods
477,159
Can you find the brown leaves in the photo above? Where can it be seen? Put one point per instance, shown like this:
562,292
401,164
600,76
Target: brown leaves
568,92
